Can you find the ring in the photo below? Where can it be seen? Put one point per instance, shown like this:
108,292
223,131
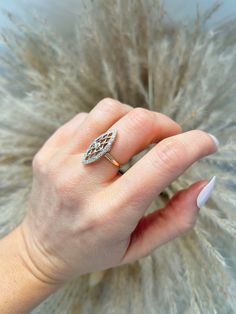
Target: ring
100,147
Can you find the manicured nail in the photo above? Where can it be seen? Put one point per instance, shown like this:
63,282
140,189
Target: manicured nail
205,193
216,141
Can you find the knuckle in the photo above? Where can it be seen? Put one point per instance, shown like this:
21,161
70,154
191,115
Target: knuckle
168,155
81,117
140,117
38,163
77,119
63,130
109,105
64,188
54,171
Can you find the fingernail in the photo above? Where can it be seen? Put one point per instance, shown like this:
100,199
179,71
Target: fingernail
216,141
205,193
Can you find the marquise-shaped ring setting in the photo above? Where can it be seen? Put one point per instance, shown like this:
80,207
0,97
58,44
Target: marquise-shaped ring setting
99,147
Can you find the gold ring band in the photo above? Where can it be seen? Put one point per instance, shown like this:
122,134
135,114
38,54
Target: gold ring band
100,147
112,160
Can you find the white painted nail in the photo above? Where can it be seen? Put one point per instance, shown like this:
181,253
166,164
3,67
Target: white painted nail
205,193
216,141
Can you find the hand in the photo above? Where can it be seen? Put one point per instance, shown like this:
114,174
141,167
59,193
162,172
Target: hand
84,218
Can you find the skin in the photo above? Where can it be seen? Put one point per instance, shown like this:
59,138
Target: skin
84,218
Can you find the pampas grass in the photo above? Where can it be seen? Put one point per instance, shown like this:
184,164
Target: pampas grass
132,51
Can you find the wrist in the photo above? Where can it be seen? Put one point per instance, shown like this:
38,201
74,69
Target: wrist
20,282
35,262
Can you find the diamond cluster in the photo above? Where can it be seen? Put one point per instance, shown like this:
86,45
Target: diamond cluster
99,147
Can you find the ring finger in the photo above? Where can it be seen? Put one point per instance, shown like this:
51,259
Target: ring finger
135,131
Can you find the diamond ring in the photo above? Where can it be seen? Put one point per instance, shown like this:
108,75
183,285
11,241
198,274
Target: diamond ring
100,147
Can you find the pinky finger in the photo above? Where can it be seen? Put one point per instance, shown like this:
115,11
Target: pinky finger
176,218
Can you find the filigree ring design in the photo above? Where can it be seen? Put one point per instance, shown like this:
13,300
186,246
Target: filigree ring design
100,147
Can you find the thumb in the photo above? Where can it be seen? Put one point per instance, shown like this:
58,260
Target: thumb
165,224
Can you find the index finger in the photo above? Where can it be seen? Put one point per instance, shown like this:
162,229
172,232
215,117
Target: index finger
161,165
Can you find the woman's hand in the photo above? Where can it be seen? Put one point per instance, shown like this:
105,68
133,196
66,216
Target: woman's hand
84,218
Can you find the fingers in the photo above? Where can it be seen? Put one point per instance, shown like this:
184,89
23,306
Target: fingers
159,167
135,131
83,127
165,224
100,118
138,129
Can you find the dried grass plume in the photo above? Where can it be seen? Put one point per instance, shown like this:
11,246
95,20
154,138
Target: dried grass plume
132,51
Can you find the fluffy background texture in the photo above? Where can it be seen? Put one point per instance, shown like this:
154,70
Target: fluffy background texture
132,51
